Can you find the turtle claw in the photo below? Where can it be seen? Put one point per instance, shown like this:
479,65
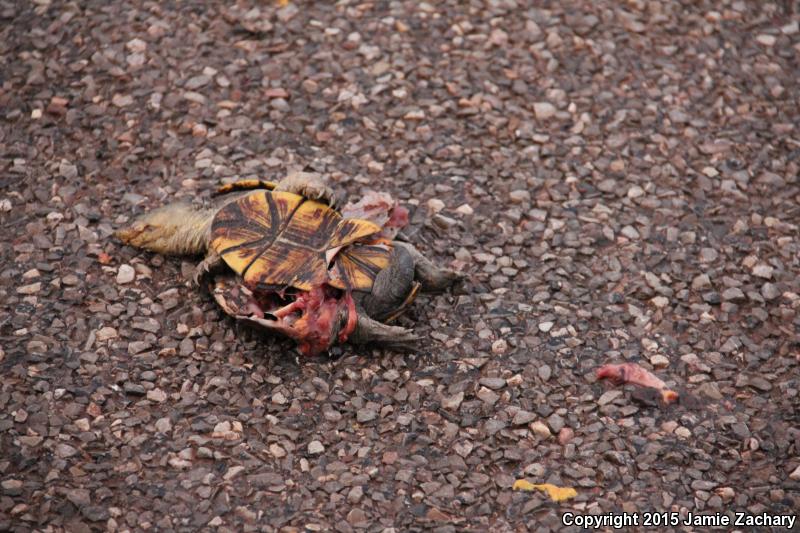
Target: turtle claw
309,185
318,191
211,263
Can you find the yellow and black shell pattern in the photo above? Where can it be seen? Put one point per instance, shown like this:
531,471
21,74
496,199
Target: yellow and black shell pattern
357,265
280,239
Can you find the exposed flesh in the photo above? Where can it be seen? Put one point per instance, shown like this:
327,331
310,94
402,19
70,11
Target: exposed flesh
316,319
381,209
633,373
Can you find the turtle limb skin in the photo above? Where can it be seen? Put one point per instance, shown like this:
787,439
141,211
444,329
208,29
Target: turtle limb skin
175,229
392,287
432,277
412,295
309,185
371,331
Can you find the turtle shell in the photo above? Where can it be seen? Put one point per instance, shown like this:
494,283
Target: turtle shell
280,239
356,266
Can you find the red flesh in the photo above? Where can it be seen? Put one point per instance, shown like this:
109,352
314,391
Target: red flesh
309,317
373,206
398,218
319,314
633,373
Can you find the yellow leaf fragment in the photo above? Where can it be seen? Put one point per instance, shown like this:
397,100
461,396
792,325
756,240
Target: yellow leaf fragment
557,494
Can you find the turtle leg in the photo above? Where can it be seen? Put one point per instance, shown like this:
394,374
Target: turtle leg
432,277
393,289
412,295
211,263
310,185
368,330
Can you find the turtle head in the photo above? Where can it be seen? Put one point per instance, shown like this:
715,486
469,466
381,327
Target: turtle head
144,232
177,229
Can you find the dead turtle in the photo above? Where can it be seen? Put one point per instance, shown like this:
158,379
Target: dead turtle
288,261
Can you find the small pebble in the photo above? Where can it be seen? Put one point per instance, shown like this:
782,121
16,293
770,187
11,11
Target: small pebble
766,40
435,205
315,447
163,425
763,271
540,429
544,110
125,274
499,347
464,209
659,361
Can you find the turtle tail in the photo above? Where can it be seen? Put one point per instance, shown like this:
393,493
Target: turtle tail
175,229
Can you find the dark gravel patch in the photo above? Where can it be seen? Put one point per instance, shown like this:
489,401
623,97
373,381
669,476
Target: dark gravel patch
619,181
